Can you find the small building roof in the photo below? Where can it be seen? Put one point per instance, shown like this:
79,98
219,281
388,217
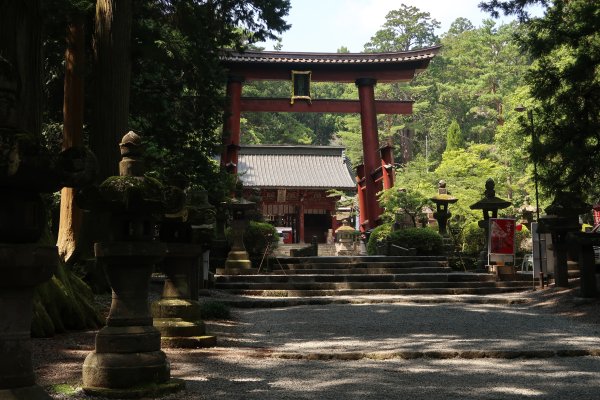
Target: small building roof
283,166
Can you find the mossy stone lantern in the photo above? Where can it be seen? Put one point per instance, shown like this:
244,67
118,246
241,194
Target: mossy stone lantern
238,259
489,205
127,360
442,199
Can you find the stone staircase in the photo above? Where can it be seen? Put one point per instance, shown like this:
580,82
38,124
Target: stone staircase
367,275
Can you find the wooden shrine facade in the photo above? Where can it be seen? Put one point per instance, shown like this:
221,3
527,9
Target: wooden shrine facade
293,183
363,69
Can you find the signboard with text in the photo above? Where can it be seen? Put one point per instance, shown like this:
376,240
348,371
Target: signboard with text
502,236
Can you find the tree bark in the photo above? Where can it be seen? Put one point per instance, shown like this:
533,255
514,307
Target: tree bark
20,44
70,214
112,45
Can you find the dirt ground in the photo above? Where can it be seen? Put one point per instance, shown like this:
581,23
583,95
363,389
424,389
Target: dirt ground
58,360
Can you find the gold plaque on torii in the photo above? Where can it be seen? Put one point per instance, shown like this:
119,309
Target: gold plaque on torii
300,85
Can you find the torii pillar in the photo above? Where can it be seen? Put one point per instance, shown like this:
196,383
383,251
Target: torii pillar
370,141
231,127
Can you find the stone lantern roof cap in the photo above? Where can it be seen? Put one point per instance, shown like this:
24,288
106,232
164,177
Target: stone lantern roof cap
444,198
490,201
567,204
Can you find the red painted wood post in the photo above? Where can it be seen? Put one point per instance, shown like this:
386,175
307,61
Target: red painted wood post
301,219
362,209
231,127
370,140
387,166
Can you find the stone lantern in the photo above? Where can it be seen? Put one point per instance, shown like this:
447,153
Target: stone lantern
26,170
128,360
238,259
441,200
345,237
561,219
489,205
177,314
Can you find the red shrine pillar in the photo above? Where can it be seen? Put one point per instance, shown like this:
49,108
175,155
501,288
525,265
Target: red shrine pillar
360,192
387,165
301,219
370,140
231,127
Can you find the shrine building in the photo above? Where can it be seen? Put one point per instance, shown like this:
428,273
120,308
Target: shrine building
363,69
293,184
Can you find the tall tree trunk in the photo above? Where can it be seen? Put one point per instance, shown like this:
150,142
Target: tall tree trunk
112,41
20,44
70,214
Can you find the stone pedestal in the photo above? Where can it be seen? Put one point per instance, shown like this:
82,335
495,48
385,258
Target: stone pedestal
22,267
559,228
177,314
238,257
587,266
127,351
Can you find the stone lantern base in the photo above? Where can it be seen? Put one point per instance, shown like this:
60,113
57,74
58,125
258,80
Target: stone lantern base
22,266
177,315
128,361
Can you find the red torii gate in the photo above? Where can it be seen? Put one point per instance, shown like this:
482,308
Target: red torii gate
364,69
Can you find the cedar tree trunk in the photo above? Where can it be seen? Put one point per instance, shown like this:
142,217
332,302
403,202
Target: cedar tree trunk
70,214
112,76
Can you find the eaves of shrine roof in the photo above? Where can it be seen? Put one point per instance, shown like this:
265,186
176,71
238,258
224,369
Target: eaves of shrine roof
280,166
277,57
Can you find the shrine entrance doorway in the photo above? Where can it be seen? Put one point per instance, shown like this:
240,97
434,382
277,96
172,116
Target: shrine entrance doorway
363,69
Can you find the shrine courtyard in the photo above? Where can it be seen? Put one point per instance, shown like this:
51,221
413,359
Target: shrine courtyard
540,345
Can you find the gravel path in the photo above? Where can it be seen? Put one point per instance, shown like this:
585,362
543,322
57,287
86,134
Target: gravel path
377,351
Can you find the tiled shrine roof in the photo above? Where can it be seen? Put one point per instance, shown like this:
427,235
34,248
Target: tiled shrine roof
276,57
281,166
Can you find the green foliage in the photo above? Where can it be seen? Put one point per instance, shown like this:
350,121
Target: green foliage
428,242
379,233
406,28
520,237
565,84
454,137
256,237
473,238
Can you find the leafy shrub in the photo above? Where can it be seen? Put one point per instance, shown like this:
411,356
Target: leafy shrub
378,233
257,235
473,238
427,241
521,238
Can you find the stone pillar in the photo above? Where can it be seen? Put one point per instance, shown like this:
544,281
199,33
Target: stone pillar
24,262
231,128
370,141
177,314
562,219
587,266
128,361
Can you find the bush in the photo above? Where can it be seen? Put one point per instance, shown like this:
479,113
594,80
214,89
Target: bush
473,238
378,233
427,241
257,235
521,240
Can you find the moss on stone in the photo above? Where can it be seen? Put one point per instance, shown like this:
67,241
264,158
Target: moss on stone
64,302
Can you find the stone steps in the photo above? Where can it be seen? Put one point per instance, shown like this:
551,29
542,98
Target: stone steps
316,278
386,292
371,275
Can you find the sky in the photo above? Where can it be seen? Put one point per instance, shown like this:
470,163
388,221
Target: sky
326,25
